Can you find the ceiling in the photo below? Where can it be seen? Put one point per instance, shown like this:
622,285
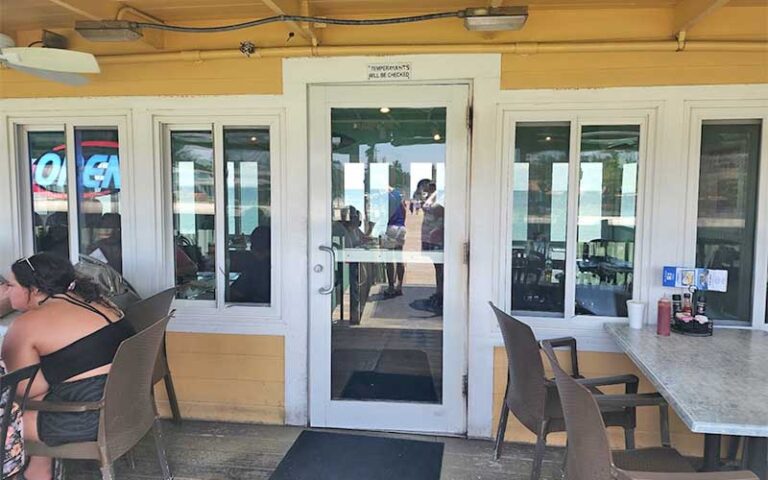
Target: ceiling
18,16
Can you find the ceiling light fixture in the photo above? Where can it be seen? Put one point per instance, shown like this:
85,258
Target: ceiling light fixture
384,110
479,19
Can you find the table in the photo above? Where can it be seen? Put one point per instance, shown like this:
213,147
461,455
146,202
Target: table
717,385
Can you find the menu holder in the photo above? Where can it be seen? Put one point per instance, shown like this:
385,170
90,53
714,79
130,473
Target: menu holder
693,279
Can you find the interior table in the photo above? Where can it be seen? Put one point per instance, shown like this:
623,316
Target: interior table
717,385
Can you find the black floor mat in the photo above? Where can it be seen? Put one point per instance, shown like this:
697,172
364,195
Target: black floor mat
336,456
390,386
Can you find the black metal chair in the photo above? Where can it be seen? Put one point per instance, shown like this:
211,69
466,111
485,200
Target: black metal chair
533,398
9,384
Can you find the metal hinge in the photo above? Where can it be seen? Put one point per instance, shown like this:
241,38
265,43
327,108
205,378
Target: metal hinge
464,384
470,117
466,253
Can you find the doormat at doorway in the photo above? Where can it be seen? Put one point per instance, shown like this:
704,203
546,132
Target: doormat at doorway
369,385
337,456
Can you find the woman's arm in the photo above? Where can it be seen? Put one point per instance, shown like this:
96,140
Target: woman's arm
19,351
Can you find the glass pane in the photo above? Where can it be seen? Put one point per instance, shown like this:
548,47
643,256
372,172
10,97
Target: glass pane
98,194
725,237
193,214
606,221
539,216
388,210
48,178
248,200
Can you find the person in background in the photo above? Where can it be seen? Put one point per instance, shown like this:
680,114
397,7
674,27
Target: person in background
254,283
394,239
73,332
433,239
419,195
14,442
108,246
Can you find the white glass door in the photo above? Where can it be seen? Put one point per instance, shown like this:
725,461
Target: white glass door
388,278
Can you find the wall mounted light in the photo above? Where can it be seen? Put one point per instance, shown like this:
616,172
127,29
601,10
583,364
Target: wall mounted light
495,18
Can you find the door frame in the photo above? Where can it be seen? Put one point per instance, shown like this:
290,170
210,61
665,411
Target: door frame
450,416
483,71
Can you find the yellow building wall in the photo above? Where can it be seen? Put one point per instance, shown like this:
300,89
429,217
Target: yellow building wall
209,77
625,69
743,22
597,364
237,378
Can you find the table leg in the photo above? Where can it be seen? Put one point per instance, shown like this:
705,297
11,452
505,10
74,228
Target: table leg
757,456
711,453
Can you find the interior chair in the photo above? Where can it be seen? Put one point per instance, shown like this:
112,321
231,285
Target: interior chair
9,384
143,314
126,412
533,398
589,455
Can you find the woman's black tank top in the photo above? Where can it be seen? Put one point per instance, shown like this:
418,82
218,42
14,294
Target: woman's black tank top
92,351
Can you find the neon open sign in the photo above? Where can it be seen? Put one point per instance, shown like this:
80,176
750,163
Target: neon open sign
101,171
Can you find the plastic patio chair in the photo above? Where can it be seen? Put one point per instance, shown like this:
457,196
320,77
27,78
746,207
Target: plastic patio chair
533,398
144,313
589,455
9,383
126,412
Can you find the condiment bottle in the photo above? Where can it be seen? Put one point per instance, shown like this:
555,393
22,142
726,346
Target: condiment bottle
677,304
701,305
664,316
687,307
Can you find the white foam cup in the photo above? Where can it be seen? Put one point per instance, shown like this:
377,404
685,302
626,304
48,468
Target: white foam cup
636,313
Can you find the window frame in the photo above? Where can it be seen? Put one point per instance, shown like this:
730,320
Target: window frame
203,310
697,114
21,126
645,119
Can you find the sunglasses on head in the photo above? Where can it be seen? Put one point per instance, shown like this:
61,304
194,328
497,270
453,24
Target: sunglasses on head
26,260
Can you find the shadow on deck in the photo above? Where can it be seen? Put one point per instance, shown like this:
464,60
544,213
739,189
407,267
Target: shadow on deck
231,451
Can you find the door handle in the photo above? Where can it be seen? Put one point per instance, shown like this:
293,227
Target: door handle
328,290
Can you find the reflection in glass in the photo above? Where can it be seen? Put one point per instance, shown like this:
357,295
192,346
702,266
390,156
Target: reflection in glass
247,206
48,178
539,215
98,194
606,219
725,237
192,180
388,213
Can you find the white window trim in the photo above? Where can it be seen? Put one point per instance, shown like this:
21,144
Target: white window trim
697,113
206,316
585,326
20,126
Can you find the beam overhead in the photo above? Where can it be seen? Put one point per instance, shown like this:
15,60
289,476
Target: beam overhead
294,7
690,12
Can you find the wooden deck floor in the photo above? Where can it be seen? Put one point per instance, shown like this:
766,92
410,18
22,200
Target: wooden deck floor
228,451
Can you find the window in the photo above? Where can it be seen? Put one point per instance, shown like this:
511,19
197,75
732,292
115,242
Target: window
92,225
539,217
221,213
572,218
727,212
606,219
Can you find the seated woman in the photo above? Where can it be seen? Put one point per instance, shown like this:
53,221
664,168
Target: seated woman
73,332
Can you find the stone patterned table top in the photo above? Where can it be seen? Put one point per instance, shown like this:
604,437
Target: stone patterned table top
716,384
